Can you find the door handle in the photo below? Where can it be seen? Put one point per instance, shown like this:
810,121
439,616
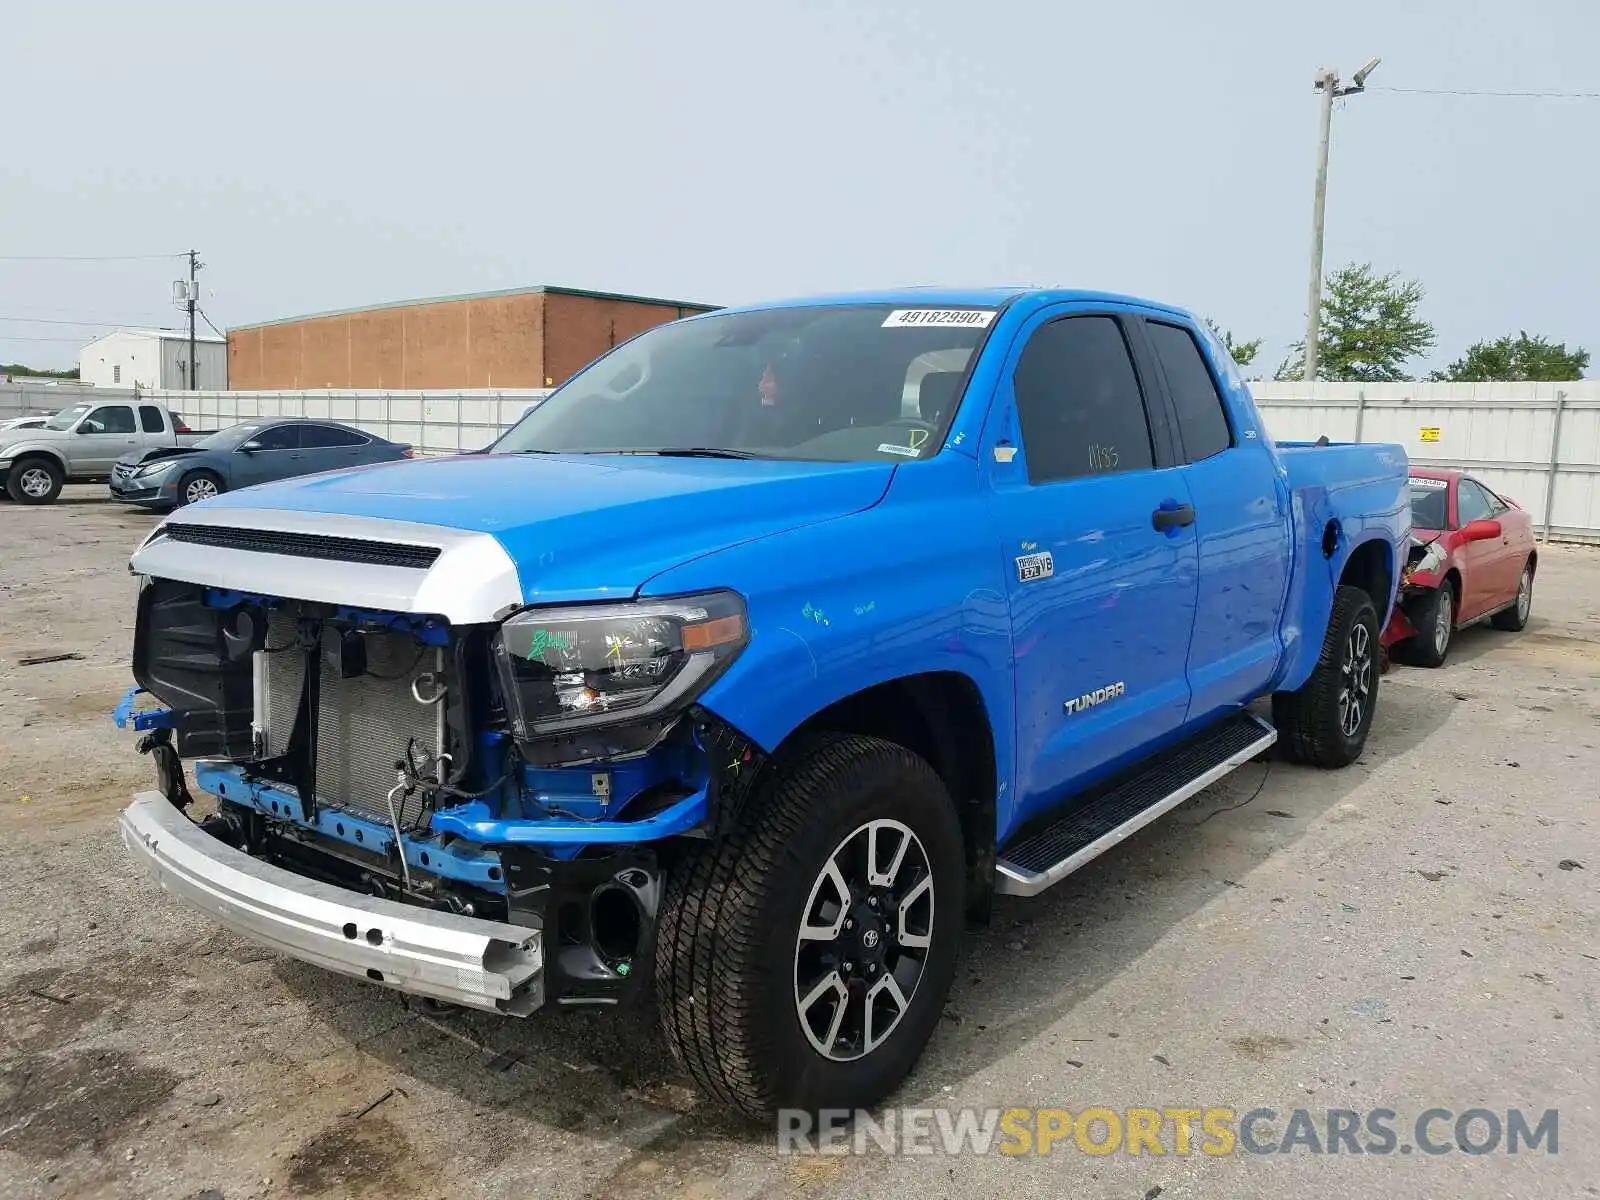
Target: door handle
1172,516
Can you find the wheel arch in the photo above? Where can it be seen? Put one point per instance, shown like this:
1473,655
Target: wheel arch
1370,567
941,716
46,452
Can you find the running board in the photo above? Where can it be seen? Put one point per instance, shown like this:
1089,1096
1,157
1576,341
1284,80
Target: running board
1112,814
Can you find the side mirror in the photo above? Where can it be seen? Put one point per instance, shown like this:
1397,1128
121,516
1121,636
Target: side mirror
1481,530
88,427
249,447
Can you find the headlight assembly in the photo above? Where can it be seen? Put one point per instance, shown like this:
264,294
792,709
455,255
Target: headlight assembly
585,665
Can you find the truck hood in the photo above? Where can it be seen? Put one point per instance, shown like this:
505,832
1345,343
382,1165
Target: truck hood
575,527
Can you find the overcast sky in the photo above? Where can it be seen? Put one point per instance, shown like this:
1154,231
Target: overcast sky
339,154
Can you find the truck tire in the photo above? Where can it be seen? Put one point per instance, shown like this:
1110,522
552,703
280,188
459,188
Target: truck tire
1325,723
1515,618
199,485
803,961
1435,623
34,481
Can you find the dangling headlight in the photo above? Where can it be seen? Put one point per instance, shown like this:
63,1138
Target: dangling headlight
566,668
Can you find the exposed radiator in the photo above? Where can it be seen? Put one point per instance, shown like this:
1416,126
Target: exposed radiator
365,724
280,680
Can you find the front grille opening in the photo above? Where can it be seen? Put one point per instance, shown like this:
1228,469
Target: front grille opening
307,545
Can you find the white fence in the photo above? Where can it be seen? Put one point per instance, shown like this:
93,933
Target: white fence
435,422
1537,442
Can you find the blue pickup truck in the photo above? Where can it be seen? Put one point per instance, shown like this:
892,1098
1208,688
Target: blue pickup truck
744,671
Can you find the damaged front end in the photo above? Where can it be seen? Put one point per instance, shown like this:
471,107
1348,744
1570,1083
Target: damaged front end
1418,578
476,811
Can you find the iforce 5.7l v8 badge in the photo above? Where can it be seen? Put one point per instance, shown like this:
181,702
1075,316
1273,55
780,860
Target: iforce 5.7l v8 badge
1035,566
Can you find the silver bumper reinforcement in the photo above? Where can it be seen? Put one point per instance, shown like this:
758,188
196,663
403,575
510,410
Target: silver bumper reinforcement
462,960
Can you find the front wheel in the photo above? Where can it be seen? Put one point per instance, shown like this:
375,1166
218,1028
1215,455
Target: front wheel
803,961
34,481
197,486
1436,623
1325,723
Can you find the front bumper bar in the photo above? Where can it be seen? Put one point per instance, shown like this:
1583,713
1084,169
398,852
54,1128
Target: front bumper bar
462,960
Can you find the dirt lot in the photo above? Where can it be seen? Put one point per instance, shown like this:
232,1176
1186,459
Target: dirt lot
1397,935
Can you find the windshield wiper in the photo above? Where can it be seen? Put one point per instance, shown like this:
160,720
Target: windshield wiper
701,452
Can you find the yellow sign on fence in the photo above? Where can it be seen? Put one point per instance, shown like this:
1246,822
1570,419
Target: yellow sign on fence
1429,433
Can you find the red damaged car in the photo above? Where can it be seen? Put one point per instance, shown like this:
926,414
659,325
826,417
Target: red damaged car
1472,558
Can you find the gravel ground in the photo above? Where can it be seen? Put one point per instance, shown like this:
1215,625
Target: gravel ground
1397,935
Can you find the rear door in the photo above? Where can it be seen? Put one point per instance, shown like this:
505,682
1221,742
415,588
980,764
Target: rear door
1242,528
329,447
153,426
1098,550
104,436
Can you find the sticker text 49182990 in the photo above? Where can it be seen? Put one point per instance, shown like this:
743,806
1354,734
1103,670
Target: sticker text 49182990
960,318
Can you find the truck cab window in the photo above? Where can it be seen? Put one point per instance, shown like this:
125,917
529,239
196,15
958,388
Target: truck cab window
1079,402
1202,424
150,418
114,418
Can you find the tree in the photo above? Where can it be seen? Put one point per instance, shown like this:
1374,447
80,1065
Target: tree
18,370
1244,353
1517,358
1368,328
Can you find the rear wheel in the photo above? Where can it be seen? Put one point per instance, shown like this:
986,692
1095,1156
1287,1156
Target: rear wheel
197,486
34,481
1435,622
1325,723
1516,617
803,961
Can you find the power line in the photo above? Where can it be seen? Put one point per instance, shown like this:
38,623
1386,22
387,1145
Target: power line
210,322
1479,92
86,257
58,321
6,337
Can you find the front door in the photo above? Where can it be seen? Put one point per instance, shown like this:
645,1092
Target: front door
1099,554
104,436
274,454
1489,566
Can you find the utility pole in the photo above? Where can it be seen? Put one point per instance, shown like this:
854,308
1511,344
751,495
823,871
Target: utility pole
194,301
1326,82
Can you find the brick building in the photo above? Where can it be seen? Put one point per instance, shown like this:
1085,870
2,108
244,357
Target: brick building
526,337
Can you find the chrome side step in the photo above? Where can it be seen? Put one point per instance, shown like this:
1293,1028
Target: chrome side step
1110,815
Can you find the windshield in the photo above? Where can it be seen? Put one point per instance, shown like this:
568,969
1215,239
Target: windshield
67,417
1428,509
834,383
227,439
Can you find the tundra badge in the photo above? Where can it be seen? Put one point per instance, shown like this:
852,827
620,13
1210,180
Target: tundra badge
1099,696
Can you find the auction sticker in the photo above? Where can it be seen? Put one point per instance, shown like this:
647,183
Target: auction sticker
1422,481
961,318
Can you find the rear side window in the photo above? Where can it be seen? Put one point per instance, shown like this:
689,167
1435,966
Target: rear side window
1079,402
150,418
116,418
1202,422
317,437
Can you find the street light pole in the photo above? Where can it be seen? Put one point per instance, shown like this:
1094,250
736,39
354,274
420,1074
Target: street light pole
1327,82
